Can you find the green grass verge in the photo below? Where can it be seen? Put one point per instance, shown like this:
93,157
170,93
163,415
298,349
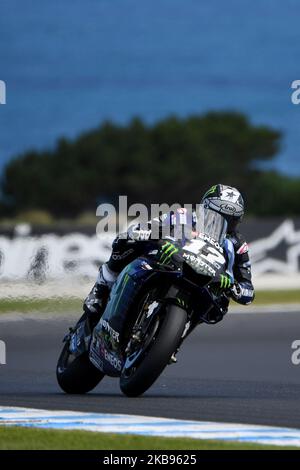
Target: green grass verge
75,305
41,305
16,438
277,297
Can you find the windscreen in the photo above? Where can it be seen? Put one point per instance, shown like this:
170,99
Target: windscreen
211,224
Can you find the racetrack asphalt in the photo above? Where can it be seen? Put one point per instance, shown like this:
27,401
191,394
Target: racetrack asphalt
239,370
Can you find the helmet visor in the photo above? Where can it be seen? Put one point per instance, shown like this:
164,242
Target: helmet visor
212,224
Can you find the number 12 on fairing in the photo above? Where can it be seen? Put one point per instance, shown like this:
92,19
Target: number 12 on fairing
196,246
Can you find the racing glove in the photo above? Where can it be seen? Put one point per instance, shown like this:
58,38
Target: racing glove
236,291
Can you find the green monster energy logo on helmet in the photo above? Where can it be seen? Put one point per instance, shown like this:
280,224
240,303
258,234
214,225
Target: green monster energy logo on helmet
225,282
210,192
168,250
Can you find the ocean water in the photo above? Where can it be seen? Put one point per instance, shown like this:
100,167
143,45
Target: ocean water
70,64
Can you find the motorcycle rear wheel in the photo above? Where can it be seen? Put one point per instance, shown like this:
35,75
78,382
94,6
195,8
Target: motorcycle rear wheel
76,375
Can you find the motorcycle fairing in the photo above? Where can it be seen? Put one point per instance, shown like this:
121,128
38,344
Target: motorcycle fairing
106,351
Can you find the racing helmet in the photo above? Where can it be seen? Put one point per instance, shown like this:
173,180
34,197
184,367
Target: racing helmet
227,201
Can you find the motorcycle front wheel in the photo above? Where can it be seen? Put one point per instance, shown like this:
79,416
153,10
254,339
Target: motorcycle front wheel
135,380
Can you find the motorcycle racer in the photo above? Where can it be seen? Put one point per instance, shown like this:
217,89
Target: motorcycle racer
222,199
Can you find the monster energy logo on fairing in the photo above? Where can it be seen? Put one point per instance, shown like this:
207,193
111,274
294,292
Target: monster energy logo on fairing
168,250
181,302
225,281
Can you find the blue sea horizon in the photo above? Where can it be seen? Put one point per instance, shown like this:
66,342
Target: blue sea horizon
68,66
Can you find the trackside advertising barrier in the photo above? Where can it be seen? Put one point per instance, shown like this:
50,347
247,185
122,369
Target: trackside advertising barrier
39,254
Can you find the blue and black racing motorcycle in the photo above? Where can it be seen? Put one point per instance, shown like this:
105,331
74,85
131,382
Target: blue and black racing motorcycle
156,302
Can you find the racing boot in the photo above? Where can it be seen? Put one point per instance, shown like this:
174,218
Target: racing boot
95,303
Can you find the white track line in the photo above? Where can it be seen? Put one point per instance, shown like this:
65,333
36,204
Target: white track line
148,426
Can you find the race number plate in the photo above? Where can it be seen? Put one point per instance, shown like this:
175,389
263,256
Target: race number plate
204,255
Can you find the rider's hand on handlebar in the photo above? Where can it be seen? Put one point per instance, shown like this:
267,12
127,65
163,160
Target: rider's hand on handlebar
235,291
230,289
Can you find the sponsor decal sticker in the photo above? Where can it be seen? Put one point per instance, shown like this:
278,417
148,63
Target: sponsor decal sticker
198,263
228,208
243,249
106,326
113,361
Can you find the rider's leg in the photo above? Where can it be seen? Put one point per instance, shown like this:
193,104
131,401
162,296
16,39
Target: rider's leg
95,302
122,254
